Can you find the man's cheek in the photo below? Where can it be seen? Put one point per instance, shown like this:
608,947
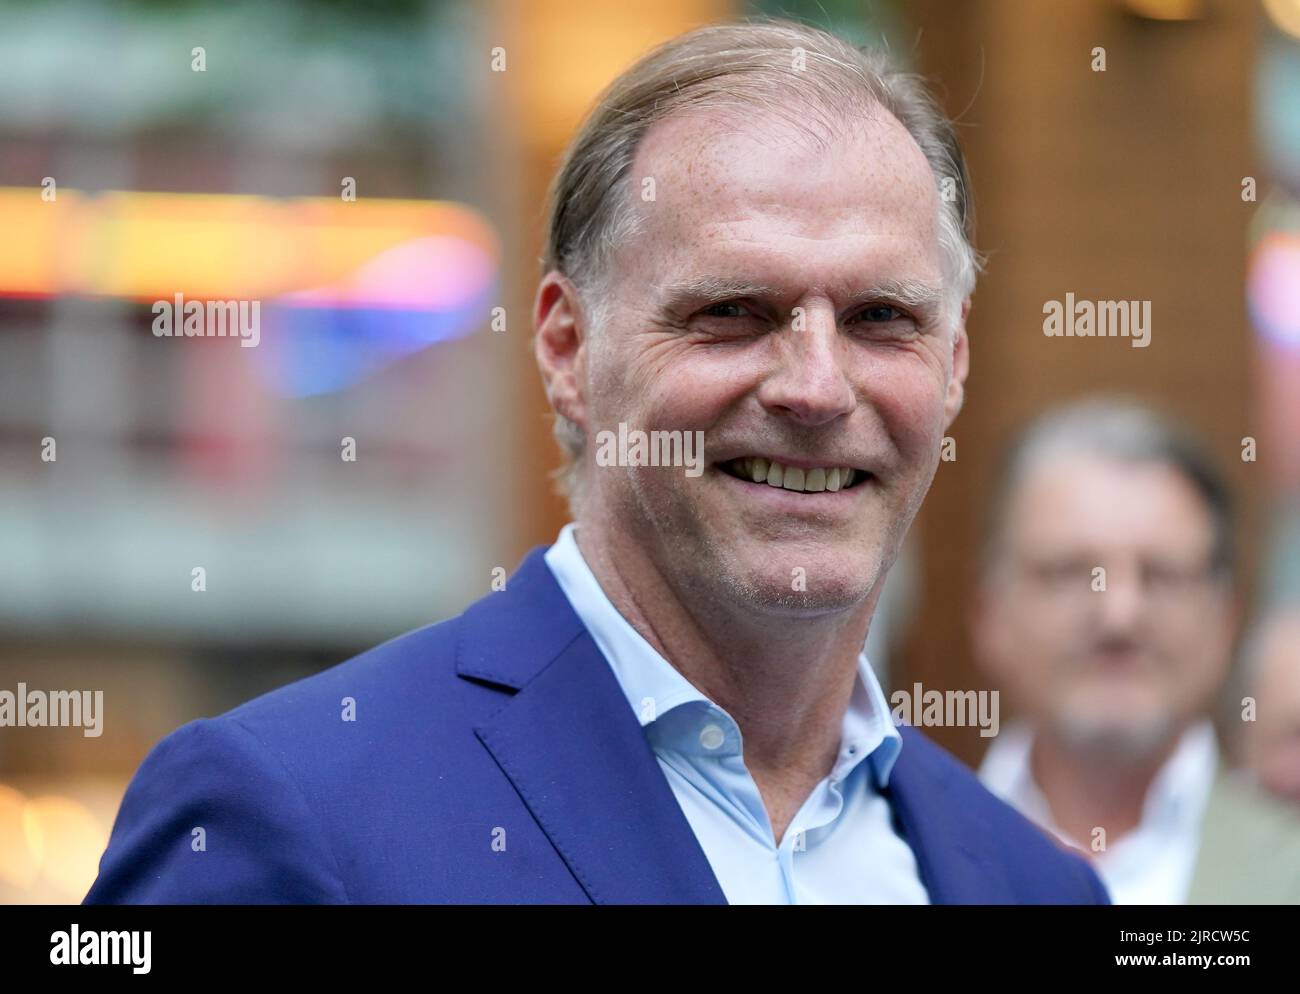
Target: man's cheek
687,407
912,412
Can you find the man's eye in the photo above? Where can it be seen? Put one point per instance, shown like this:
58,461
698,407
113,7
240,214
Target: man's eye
881,313
1061,573
733,308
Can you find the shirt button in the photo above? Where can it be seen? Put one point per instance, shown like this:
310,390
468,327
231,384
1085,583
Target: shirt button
711,736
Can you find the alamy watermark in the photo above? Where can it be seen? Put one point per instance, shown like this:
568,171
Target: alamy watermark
102,948
181,318
922,708
53,709
1099,319
634,447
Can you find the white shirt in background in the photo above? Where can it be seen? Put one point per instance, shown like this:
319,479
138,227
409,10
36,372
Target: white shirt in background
1153,863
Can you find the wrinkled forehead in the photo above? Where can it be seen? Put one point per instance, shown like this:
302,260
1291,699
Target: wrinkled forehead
748,185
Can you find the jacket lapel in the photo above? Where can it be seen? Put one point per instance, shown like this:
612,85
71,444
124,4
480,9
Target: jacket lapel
946,837
578,758
575,752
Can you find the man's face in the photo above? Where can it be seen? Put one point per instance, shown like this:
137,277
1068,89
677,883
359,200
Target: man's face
1113,670
1273,739
811,358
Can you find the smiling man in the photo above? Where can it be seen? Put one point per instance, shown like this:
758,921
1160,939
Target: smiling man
760,238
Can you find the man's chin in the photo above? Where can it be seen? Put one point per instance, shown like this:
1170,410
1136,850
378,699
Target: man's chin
1117,735
799,586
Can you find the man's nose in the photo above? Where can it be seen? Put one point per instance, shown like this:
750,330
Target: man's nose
1123,604
809,384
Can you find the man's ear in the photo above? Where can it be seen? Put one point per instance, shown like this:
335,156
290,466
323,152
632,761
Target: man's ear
560,345
960,367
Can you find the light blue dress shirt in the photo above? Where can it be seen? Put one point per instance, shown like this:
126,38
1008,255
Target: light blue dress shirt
841,847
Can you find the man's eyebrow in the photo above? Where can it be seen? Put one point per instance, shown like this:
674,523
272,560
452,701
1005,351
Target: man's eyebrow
713,288
910,293
906,292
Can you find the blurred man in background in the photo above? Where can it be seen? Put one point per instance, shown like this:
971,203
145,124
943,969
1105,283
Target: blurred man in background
1272,740
1106,610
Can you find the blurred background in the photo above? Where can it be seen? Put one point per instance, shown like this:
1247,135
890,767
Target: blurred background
374,172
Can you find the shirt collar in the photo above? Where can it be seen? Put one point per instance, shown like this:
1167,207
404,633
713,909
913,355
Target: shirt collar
1177,794
674,713
1182,785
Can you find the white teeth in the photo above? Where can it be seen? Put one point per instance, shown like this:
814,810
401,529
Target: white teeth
774,474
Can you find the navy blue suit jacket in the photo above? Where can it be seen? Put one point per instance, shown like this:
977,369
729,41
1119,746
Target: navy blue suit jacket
493,758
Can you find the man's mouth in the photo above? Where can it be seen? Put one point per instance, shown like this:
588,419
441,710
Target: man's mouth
819,479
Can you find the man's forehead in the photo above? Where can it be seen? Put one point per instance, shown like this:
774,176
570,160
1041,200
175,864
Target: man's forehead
763,199
719,162
1079,496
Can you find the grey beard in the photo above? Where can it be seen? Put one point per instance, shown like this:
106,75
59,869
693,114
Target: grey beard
1115,744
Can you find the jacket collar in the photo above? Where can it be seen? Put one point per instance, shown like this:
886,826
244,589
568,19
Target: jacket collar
575,751
578,757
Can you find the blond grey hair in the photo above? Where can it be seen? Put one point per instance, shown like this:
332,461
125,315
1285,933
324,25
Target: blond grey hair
810,77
